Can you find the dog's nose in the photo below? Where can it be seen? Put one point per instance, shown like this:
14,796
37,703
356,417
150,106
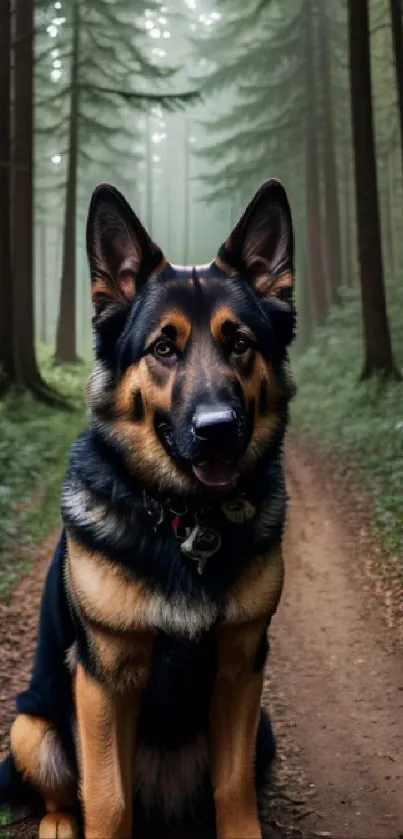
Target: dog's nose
212,422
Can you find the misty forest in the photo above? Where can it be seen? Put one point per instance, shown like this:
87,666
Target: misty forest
187,106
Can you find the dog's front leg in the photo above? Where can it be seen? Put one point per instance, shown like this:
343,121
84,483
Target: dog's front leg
234,718
106,732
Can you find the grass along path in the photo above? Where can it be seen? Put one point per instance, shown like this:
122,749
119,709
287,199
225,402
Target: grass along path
34,443
358,424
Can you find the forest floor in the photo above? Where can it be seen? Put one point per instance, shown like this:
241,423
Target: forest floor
335,675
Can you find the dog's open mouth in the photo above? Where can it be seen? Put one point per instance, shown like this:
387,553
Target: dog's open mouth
216,473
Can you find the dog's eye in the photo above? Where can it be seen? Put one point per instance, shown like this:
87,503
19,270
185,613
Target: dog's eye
241,345
164,349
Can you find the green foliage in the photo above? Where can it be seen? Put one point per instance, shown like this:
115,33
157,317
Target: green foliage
5,818
115,81
360,421
34,442
264,68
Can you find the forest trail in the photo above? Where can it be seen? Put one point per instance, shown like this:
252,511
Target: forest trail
336,669
335,685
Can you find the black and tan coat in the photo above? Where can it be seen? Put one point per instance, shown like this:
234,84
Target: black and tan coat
173,509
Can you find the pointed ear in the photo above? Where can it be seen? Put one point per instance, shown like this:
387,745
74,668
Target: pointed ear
261,246
121,254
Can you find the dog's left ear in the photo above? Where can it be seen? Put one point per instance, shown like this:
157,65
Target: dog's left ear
261,246
121,254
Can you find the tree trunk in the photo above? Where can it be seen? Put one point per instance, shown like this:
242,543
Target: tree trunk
43,284
396,205
386,218
396,13
26,370
332,211
186,197
66,327
149,181
349,261
378,347
315,260
7,371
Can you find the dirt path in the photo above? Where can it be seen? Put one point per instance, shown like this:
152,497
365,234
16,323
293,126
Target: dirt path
335,686
337,669
18,625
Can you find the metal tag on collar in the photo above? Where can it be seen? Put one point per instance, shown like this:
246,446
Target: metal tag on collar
201,544
238,510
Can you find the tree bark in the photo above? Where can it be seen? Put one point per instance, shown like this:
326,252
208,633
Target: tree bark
315,260
395,197
149,180
349,256
7,371
378,356
331,196
43,278
66,328
27,373
396,13
386,217
26,370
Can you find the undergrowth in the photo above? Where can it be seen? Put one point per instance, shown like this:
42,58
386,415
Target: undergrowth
360,421
34,444
5,816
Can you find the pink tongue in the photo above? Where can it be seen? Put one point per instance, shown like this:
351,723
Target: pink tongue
216,473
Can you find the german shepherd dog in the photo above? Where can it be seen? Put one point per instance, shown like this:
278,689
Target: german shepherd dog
145,701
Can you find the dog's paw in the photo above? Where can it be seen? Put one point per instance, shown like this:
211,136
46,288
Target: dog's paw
58,826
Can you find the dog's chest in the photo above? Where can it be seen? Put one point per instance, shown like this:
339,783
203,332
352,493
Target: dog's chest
112,601
177,696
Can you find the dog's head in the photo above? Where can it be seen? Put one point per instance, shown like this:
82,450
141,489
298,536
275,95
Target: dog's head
189,383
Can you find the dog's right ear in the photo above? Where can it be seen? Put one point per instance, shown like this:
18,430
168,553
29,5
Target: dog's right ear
121,254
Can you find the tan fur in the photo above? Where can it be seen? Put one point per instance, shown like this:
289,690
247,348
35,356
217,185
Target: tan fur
220,316
181,323
137,378
107,729
26,737
39,755
121,660
234,718
144,454
97,586
264,425
267,285
58,826
257,592
99,287
225,266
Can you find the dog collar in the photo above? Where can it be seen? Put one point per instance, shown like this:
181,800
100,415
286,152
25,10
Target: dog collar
197,539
